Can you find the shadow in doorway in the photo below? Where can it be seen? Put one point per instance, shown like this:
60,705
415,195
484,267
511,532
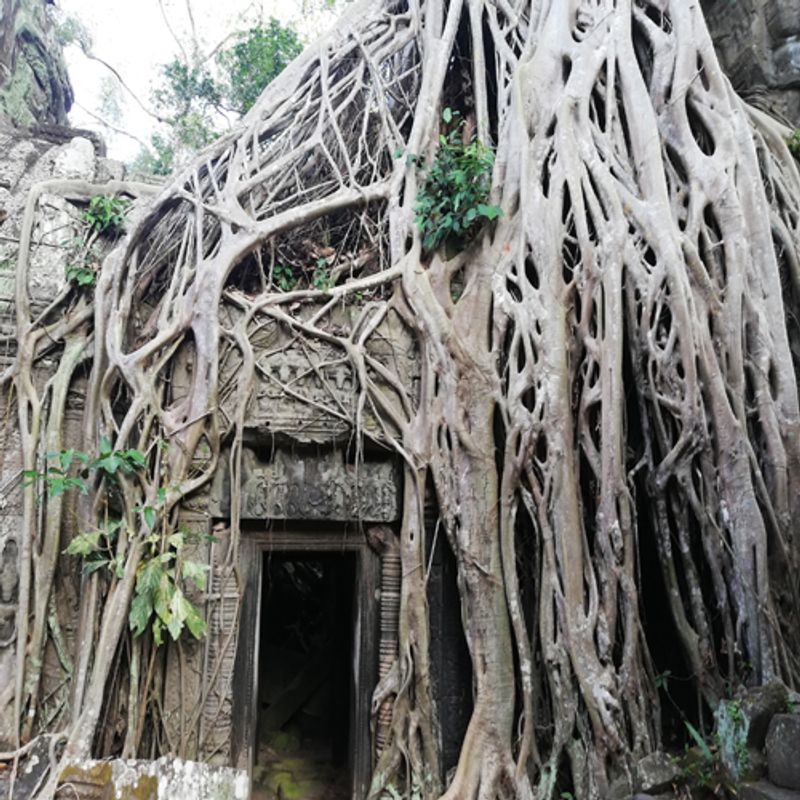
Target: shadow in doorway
304,668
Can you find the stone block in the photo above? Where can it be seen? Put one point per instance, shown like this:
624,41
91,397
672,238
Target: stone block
656,773
763,790
758,706
164,779
783,750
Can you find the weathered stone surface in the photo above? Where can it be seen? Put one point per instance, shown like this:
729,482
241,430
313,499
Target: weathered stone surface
652,776
763,790
656,773
75,159
758,42
758,706
319,486
783,750
34,86
164,779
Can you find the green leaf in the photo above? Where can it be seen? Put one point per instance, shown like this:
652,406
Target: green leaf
149,514
177,540
109,463
93,564
140,613
490,212
163,597
196,572
158,632
83,544
180,608
149,576
135,457
704,748
447,115
117,566
105,446
195,623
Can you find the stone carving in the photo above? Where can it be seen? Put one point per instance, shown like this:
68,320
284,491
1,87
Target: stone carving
9,590
310,395
305,389
322,487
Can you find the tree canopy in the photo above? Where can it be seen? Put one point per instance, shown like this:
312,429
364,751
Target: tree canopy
199,95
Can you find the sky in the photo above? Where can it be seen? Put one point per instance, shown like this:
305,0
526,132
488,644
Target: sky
133,37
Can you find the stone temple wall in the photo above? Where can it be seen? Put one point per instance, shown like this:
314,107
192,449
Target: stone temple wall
758,42
25,162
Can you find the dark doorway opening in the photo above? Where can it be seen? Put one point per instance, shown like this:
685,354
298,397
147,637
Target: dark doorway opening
305,692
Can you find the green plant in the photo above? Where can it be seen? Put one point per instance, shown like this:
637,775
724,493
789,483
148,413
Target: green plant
68,472
106,214
283,277
159,601
197,95
698,767
322,276
256,58
452,201
717,767
794,143
70,469
81,275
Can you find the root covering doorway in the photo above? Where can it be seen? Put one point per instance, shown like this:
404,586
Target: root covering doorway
306,664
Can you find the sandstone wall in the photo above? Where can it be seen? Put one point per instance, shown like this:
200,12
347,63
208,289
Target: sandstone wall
758,42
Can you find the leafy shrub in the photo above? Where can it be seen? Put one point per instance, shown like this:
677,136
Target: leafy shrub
81,275
322,279
283,277
159,602
106,214
452,202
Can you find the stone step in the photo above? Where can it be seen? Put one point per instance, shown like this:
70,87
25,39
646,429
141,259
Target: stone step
763,790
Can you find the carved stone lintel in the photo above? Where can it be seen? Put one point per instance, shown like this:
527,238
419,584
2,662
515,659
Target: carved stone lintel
322,487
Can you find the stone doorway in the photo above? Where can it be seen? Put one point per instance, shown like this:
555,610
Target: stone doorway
304,687
306,662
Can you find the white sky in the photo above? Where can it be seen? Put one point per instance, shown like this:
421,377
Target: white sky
133,37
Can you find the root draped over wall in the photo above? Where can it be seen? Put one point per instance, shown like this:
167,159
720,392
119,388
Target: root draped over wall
607,370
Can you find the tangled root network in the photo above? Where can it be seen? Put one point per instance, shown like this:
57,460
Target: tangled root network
607,404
